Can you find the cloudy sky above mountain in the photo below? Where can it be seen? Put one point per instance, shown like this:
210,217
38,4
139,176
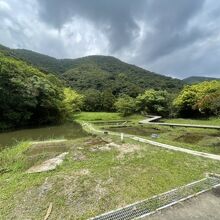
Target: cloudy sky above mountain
177,38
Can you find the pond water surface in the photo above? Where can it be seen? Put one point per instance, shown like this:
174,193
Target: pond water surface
65,131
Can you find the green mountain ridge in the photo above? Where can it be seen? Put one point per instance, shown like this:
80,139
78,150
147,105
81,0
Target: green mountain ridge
198,79
98,72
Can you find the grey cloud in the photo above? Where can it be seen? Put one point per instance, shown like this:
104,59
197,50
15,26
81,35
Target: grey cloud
115,18
178,38
171,24
118,20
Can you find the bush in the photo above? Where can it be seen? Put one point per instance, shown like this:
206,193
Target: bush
30,97
154,102
125,105
92,100
73,102
199,100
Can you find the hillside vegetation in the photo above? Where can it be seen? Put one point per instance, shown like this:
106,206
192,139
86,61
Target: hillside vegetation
202,99
101,83
101,79
31,97
105,71
100,73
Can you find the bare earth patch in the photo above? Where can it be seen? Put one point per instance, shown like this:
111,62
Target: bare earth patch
124,149
48,165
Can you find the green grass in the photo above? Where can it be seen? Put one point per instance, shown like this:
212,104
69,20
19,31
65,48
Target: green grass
92,180
105,116
97,116
210,121
204,140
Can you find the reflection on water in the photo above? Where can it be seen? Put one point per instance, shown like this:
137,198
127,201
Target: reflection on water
66,131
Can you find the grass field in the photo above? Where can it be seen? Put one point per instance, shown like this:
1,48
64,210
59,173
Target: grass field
97,116
101,173
209,121
204,140
93,179
106,116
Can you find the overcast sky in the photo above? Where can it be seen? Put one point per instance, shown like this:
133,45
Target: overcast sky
179,38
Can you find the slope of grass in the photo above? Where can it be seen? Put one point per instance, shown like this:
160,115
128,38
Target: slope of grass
93,179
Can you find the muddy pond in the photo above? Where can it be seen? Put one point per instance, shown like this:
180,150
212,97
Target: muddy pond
65,131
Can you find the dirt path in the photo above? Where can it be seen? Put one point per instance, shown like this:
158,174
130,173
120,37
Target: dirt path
154,143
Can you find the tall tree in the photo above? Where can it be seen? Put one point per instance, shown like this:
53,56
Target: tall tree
198,99
154,102
125,105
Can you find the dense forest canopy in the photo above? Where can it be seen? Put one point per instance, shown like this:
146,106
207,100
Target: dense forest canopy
98,72
102,77
102,68
31,97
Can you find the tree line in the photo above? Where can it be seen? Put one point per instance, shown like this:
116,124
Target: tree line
29,96
199,100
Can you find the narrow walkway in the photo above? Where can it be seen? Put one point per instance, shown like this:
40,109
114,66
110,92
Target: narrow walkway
152,120
154,143
161,202
148,120
202,207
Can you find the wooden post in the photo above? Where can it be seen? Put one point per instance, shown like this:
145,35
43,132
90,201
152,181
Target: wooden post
122,137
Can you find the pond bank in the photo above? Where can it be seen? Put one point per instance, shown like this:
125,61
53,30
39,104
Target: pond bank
65,131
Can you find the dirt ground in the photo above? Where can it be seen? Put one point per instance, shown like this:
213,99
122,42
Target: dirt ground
204,207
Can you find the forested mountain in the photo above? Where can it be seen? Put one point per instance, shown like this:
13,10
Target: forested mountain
99,73
198,79
44,62
101,79
35,89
